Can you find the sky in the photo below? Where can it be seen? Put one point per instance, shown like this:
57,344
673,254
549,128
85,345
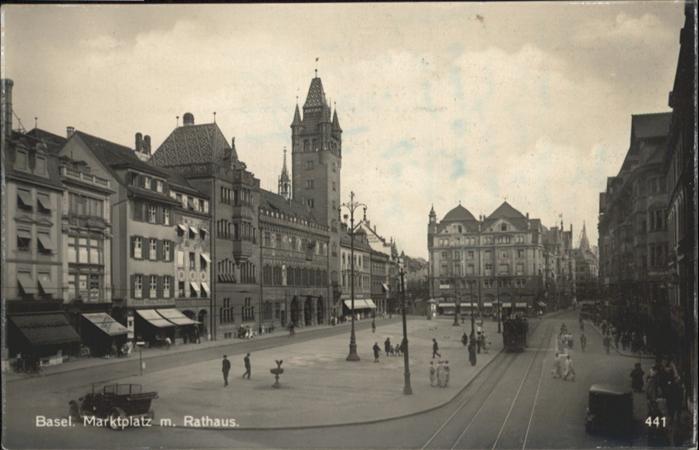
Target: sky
439,103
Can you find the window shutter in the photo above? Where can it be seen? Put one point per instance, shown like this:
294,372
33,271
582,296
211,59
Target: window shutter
159,250
133,285
172,286
159,290
133,246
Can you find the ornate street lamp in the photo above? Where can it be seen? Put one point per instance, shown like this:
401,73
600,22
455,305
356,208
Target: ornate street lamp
351,206
457,300
407,389
470,285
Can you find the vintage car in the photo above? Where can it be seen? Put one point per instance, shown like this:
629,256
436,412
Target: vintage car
117,406
609,411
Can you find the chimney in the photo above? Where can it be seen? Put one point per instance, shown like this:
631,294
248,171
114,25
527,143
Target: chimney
7,106
188,119
69,131
138,146
146,144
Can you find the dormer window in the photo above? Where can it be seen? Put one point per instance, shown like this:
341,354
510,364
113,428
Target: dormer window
196,204
503,227
40,165
21,160
146,182
205,206
159,186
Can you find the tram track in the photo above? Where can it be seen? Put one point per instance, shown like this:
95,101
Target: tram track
490,387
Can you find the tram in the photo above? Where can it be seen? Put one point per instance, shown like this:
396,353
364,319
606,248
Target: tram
514,334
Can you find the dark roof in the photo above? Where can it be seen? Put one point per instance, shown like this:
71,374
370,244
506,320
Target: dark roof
360,240
181,183
54,141
506,211
114,155
316,95
459,214
645,126
292,208
193,144
23,140
45,328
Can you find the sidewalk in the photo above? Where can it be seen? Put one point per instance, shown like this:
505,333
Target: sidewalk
149,353
320,388
625,353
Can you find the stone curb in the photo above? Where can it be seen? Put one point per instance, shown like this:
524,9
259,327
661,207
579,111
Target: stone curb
353,423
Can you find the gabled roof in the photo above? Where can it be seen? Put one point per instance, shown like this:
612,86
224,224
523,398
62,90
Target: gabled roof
646,126
53,141
361,242
193,144
277,203
459,214
316,95
181,184
297,117
506,211
116,156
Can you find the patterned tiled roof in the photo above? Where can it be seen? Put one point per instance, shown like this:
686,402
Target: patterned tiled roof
192,144
316,95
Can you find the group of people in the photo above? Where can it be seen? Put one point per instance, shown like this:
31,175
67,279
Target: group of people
226,368
439,376
563,367
662,385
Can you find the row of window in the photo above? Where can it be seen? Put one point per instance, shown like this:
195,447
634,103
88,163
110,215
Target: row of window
486,283
294,276
30,161
236,231
151,249
236,197
25,202
360,281
191,260
487,254
360,260
284,241
470,269
185,231
86,286
151,213
315,146
193,289
152,286
226,313
45,244
83,205
191,203
148,182
86,250
487,239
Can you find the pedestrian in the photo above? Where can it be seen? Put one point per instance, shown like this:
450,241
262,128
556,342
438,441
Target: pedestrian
225,368
472,352
435,348
377,351
433,373
445,372
583,341
246,361
387,345
291,329
556,369
569,369
464,339
479,342
637,378
373,325
607,343
439,373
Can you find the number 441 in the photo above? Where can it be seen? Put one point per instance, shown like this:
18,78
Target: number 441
656,421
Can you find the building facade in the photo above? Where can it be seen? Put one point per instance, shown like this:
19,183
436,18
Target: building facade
498,259
355,248
586,269
633,238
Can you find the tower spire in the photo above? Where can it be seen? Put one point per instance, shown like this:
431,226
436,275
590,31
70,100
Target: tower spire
284,185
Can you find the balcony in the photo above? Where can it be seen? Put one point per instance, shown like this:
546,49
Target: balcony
85,177
242,249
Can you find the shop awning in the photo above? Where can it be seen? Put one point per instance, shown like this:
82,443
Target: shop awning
206,258
182,228
205,287
447,305
432,301
193,229
45,328
24,234
44,203
106,323
45,283
25,198
507,305
204,232
521,305
46,243
487,304
194,286
176,317
26,282
151,316
385,287
358,304
370,303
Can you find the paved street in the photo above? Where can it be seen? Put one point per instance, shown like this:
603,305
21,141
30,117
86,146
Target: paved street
513,403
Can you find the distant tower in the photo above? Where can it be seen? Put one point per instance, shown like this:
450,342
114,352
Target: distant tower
584,243
284,184
316,156
431,227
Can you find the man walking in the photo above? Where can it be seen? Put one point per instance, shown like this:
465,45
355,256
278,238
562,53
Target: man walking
435,348
433,373
225,368
445,374
583,341
569,370
246,360
373,325
387,345
377,351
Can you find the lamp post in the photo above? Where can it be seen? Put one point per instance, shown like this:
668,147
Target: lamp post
352,206
457,300
470,285
407,389
497,297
